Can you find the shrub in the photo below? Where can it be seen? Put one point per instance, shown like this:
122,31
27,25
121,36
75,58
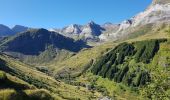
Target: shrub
146,50
2,76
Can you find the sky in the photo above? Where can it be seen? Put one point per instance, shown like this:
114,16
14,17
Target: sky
60,13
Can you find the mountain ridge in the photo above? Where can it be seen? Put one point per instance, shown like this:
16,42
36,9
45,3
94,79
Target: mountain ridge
6,31
34,41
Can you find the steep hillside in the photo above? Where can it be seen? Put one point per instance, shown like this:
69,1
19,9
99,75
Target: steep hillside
77,63
122,63
35,41
13,88
134,70
40,45
29,74
154,16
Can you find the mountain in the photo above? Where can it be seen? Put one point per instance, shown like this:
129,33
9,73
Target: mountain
85,32
155,15
92,29
32,42
5,31
19,28
160,2
72,29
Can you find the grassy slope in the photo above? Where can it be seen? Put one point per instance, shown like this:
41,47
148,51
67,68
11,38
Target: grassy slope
159,87
77,62
41,80
13,88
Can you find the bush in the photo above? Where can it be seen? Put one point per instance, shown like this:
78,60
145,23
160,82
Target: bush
9,94
113,65
2,76
146,50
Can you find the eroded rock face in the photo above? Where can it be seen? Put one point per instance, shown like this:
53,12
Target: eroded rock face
160,2
157,12
88,31
154,14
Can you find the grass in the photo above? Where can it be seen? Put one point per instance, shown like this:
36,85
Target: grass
112,89
77,62
160,72
41,80
13,88
10,94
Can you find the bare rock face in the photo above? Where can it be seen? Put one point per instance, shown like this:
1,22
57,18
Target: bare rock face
72,29
85,32
91,30
158,12
160,2
155,13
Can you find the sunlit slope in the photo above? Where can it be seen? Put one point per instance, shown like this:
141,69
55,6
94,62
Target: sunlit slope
78,62
12,88
41,80
144,79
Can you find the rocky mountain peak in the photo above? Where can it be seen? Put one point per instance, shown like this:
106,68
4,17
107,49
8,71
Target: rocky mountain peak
92,29
160,2
91,23
72,29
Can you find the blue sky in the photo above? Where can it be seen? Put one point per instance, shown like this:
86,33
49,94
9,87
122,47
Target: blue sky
59,13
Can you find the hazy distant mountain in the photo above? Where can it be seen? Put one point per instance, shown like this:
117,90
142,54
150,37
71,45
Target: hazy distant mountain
5,31
19,28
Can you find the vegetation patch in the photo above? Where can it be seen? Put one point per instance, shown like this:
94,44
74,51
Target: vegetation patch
126,63
10,94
